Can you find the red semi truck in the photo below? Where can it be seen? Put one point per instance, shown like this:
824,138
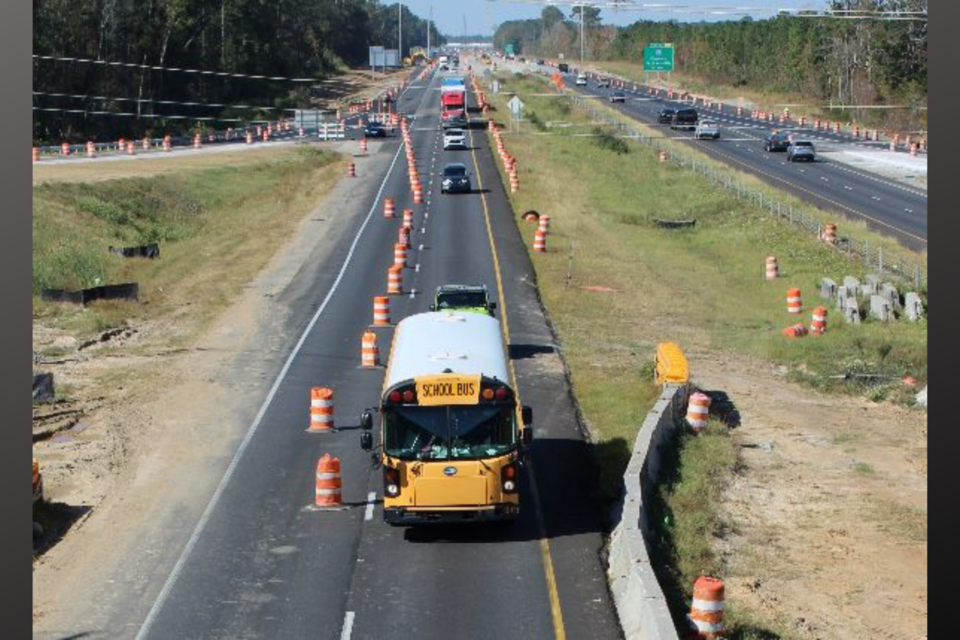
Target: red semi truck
453,103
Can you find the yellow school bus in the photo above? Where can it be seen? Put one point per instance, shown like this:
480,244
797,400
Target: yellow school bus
450,438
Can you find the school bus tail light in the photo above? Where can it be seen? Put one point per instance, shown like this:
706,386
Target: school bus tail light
508,478
391,482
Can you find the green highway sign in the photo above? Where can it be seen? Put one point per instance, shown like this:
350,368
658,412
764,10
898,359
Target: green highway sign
658,56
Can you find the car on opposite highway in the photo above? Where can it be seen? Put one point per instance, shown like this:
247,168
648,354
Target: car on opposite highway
666,115
540,62
707,129
603,83
801,150
374,130
684,118
563,67
618,96
776,141
454,139
455,178
581,80
463,297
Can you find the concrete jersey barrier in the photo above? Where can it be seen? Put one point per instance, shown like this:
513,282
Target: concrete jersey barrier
640,603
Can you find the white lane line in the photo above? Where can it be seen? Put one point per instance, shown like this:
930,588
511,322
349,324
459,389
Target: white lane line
413,293
848,187
909,210
202,523
371,502
421,248
416,267
347,625
877,198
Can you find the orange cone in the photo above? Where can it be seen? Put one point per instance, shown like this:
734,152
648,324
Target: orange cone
351,170
389,208
417,193
36,154
818,323
329,484
772,268
381,311
399,255
794,301
830,234
131,149
321,409
369,353
395,280
796,331
363,145
706,611
408,218
698,409
539,241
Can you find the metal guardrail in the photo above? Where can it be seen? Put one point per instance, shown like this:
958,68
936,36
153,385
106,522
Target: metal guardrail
874,258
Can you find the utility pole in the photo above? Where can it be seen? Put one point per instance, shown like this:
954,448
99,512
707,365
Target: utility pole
429,29
581,36
400,34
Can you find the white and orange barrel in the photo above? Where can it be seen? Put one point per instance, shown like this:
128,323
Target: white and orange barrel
321,409
802,121
913,148
816,124
131,149
266,134
795,331
698,410
351,170
408,218
91,150
381,311
65,149
544,224
369,353
539,241
403,235
417,193
830,233
166,143
389,208
893,145
794,301
197,141
395,280
514,182
856,131
706,610
363,145
301,133
772,271
662,156
836,127
36,154
399,255
818,321
329,487
121,145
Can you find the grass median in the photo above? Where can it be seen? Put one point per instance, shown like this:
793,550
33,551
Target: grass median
615,284
217,225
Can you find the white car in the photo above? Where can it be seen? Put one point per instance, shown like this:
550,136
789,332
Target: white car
454,139
707,129
581,80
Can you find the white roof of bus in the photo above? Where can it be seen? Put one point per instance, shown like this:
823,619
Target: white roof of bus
465,342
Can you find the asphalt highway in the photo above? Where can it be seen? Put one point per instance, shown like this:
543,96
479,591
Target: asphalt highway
261,563
886,206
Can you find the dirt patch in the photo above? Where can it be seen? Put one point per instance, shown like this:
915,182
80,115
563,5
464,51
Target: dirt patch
828,516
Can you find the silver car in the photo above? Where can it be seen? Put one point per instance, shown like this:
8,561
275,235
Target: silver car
707,129
454,139
801,150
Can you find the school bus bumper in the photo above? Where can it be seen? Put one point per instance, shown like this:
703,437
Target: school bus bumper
494,513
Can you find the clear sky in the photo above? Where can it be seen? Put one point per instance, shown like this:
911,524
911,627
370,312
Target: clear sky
482,16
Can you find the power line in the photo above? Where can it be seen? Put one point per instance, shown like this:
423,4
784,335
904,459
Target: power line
138,115
221,74
148,100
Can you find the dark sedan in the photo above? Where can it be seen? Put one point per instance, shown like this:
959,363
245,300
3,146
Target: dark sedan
666,115
777,141
374,130
455,179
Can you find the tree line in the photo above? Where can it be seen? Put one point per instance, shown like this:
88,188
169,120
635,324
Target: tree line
829,61
274,38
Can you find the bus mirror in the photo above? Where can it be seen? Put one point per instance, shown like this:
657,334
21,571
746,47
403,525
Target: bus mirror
526,415
526,436
366,441
366,420
493,305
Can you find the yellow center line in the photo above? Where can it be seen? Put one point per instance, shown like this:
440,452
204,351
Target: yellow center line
559,631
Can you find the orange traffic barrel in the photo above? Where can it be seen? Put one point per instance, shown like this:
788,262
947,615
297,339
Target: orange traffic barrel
166,143
196,141
794,301
706,610
539,241
363,145
369,353
65,149
818,323
772,268
329,484
381,311
351,170
249,137
91,150
816,124
403,235
830,234
321,409
544,224
400,255
417,193
145,144
698,408
131,149
408,217
795,331
395,280
389,208
836,127
662,156
514,182
36,154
